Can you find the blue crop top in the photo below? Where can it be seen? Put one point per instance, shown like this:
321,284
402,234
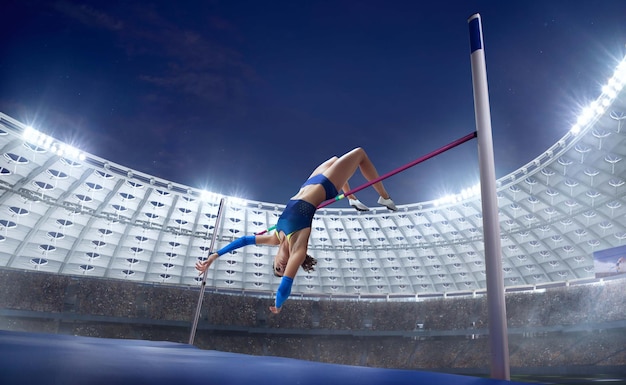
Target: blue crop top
297,215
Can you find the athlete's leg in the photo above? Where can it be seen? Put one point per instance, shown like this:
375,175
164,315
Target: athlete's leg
343,168
345,189
324,166
353,200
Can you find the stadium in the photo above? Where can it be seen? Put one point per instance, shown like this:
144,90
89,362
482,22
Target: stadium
89,247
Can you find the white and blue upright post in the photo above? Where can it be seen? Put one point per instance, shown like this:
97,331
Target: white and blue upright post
196,316
498,335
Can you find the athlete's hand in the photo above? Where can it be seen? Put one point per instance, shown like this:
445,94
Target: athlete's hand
202,266
275,309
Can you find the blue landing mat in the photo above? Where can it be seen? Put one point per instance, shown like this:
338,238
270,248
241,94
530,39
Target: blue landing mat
42,359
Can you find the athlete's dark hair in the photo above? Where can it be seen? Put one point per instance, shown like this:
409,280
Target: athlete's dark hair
309,264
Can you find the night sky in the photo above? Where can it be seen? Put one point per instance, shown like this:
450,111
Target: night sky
247,97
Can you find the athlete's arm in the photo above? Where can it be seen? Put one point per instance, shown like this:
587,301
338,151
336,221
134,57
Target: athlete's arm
298,254
284,289
266,239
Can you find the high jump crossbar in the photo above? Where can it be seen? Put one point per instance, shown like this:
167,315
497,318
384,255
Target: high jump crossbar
402,168
421,159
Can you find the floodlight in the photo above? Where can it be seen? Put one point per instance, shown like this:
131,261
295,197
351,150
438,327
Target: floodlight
29,133
609,92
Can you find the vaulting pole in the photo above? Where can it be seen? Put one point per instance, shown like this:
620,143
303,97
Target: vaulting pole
498,335
196,317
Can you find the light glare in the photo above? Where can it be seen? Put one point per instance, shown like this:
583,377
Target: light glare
585,116
609,92
29,133
237,201
209,196
456,198
620,72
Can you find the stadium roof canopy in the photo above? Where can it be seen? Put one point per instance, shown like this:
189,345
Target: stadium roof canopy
65,212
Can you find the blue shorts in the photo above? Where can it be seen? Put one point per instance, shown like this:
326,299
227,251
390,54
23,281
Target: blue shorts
329,187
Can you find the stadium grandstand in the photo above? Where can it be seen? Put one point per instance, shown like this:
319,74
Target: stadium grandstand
91,247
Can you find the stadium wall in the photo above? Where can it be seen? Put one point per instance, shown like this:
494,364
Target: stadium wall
574,327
